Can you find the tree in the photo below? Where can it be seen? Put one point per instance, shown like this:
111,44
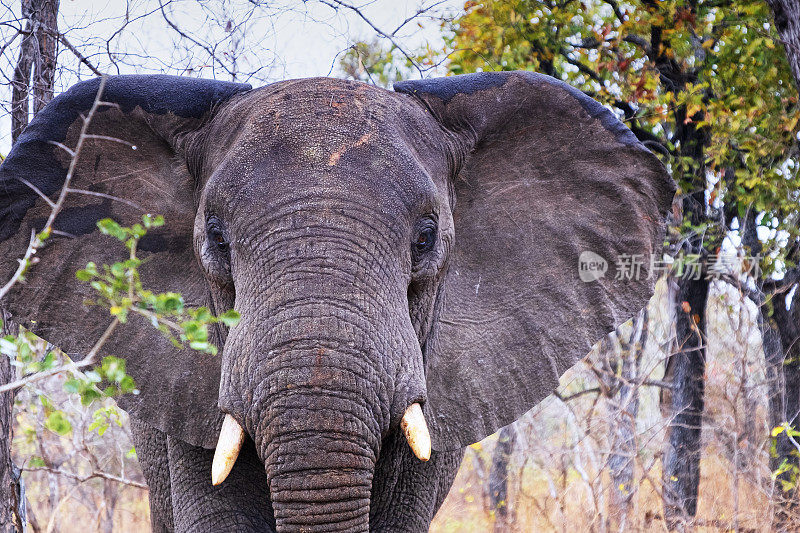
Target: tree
499,499
34,73
36,66
10,520
622,395
703,84
787,22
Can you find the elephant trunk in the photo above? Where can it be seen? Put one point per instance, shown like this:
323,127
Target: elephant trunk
319,438
320,477
317,395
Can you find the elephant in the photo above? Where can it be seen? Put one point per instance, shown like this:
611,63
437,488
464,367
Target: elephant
406,264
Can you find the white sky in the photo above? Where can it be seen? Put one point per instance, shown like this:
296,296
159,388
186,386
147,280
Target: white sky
284,39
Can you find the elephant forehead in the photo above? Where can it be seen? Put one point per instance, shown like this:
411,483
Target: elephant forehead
328,98
325,118
324,131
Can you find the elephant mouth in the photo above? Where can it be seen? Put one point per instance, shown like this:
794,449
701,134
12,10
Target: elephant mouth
231,438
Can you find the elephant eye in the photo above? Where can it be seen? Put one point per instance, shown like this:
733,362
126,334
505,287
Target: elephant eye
426,237
220,241
216,234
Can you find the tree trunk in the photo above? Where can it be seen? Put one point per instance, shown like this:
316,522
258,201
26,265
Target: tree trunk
498,480
21,82
36,65
687,367
10,508
787,22
46,13
35,71
624,408
781,340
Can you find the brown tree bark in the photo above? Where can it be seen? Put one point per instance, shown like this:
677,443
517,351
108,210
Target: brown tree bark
36,65
34,72
498,480
683,450
781,330
781,341
787,22
686,365
11,508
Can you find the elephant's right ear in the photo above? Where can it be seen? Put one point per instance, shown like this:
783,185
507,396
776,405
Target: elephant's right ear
154,117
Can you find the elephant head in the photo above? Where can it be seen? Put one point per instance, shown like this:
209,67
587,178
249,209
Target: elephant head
386,250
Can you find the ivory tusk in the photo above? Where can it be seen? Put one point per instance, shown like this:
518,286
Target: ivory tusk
231,437
416,432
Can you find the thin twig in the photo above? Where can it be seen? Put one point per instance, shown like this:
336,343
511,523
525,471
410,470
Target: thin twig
112,139
76,52
209,51
416,15
36,242
35,189
74,163
95,474
23,264
89,360
64,147
104,195
335,4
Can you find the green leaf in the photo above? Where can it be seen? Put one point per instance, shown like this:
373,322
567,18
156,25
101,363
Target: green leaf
73,386
57,422
118,270
89,395
109,227
230,318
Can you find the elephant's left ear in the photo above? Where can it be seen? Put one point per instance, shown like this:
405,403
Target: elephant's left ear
554,196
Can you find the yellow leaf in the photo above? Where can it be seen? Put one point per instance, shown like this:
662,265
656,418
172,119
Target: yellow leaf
693,108
777,430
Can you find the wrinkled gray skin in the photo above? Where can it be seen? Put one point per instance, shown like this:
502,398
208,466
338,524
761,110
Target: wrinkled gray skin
382,248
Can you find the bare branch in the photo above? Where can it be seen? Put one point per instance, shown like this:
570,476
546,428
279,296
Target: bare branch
81,57
335,4
416,15
35,189
36,242
211,52
64,147
94,475
73,367
640,42
616,9
112,139
23,264
104,195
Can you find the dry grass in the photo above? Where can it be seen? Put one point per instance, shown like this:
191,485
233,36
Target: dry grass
538,509
465,510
